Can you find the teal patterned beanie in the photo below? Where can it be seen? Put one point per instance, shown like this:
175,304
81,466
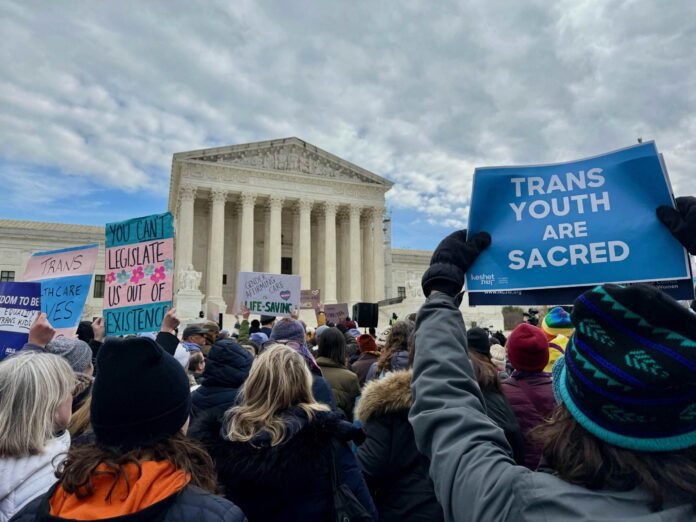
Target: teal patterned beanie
629,372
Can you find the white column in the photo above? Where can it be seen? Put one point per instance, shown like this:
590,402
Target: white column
305,243
329,253
368,257
320,251
216,252
378,252
342,240
274,238
184,228
246,241
354,272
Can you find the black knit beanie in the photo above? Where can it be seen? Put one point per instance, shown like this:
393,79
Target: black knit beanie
477,340
140,396
630,368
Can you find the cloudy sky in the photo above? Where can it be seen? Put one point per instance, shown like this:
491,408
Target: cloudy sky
96,96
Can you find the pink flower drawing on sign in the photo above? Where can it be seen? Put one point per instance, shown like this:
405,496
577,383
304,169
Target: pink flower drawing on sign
110,277
159,274
137,275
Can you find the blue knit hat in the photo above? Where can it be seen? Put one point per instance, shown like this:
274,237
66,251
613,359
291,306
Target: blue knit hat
629,372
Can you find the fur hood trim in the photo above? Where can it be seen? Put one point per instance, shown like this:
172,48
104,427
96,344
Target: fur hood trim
388,395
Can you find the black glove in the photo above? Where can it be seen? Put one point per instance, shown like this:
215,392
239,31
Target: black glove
450,261
681,222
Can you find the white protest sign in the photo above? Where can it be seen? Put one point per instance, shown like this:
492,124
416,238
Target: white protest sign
336,313
268,294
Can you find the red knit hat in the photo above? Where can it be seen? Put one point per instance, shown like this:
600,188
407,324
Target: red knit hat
367,343
528,348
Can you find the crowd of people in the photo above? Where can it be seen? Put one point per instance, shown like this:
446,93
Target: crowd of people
589,416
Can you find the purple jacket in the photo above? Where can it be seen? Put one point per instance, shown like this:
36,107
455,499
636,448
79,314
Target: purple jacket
531,397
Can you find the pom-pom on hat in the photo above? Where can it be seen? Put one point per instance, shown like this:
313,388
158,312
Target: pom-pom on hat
629,374
557,322
141,395
528,348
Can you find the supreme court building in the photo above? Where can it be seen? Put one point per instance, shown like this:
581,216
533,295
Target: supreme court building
281,206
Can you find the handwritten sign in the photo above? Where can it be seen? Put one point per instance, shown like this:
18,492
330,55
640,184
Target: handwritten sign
310,299
336,313
19,305
65,276
139,262
574,224
268,294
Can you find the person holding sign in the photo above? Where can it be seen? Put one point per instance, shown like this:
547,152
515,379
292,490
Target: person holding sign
622,443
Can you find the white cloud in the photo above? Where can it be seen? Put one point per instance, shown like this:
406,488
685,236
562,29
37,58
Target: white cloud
421,92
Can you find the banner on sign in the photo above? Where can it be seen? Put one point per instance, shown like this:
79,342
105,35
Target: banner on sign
310,299
268,294
20,303
65,276
573,224
336,313
139,262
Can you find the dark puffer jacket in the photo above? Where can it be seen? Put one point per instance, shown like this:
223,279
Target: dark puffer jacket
363,364
191,503
531,397
290,481
343,382
226,369
396,473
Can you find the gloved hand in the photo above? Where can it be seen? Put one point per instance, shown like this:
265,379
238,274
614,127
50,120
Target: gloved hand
450,261
681,222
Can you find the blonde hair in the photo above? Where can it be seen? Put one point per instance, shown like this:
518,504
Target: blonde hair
32,387
279,379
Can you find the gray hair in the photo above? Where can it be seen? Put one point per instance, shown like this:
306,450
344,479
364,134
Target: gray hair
32,387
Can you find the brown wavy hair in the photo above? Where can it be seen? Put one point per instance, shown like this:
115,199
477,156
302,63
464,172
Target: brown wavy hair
80,466
397,341
580,458
486,372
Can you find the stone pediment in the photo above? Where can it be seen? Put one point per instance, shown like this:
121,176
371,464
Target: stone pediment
290,155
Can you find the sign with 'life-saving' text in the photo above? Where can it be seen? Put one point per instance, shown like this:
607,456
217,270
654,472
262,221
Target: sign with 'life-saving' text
65,276
20,303
268,294
139,262
574,224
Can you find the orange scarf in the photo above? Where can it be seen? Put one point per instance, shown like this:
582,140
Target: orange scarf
157,481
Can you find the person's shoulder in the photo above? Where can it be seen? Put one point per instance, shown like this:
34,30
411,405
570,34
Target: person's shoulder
194,503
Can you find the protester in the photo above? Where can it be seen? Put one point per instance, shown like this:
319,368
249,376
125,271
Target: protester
78,355
35,408
290,332
212,331
498,356
267,322
193,337
557,347
274,451
497,406
394,355
395,471
368,356
332,361
352,347
92,332
196,368
528,389
141,465
557,322
226,369
607,462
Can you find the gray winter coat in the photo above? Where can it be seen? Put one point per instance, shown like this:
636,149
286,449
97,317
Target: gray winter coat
473,474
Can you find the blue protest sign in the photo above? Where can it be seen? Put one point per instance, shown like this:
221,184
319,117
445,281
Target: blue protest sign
572,224
19,305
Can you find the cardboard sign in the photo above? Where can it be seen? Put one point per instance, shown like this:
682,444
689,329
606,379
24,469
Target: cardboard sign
336,313
268,294
574,224
310,299
20,303
139,262
65,276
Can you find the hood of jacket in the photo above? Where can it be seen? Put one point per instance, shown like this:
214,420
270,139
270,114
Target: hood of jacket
388,395
227,366
399,361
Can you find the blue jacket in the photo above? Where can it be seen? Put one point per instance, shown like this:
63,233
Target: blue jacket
226,369
290,481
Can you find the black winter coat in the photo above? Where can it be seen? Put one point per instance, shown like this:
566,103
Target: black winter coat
288,482
191,503
226,369
396,473
499,411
